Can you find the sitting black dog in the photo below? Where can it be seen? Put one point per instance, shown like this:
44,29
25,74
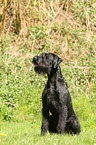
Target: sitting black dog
55,98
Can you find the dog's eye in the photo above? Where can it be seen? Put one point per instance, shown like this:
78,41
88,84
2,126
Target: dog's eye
47,57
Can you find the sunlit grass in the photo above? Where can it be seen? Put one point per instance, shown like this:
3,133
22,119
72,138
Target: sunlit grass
25,132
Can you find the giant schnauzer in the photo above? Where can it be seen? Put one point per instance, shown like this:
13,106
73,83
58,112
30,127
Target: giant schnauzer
58,115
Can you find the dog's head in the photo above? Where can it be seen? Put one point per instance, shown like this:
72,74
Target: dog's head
46,62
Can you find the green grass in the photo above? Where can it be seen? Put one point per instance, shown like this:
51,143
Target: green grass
68,29
23,133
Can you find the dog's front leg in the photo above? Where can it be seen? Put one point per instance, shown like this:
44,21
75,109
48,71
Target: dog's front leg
45,121
62,120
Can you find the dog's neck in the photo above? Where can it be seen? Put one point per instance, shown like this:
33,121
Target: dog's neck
54,75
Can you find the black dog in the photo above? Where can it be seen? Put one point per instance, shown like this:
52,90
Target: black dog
56,98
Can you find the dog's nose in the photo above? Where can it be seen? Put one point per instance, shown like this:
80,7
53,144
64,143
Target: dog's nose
34,59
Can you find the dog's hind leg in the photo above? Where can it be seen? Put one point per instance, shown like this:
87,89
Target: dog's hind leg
73,126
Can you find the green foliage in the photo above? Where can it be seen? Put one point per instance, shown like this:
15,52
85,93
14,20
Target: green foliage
68,29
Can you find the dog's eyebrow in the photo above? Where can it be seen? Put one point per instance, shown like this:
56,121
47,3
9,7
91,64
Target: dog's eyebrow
51,57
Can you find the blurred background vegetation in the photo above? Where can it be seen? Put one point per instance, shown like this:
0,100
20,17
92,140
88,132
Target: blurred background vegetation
30,27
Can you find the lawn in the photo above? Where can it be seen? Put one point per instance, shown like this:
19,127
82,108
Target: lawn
22,133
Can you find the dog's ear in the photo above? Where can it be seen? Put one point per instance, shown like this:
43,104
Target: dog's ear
57,60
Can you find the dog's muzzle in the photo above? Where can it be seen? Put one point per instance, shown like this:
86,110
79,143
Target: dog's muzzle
35,59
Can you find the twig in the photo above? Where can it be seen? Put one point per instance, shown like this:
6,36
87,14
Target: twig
52,8
82,91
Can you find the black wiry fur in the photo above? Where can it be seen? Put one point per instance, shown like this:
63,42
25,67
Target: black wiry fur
56,97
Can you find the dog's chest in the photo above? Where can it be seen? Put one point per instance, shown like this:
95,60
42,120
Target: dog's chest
52,98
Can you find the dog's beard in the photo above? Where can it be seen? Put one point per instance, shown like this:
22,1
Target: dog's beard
41,70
